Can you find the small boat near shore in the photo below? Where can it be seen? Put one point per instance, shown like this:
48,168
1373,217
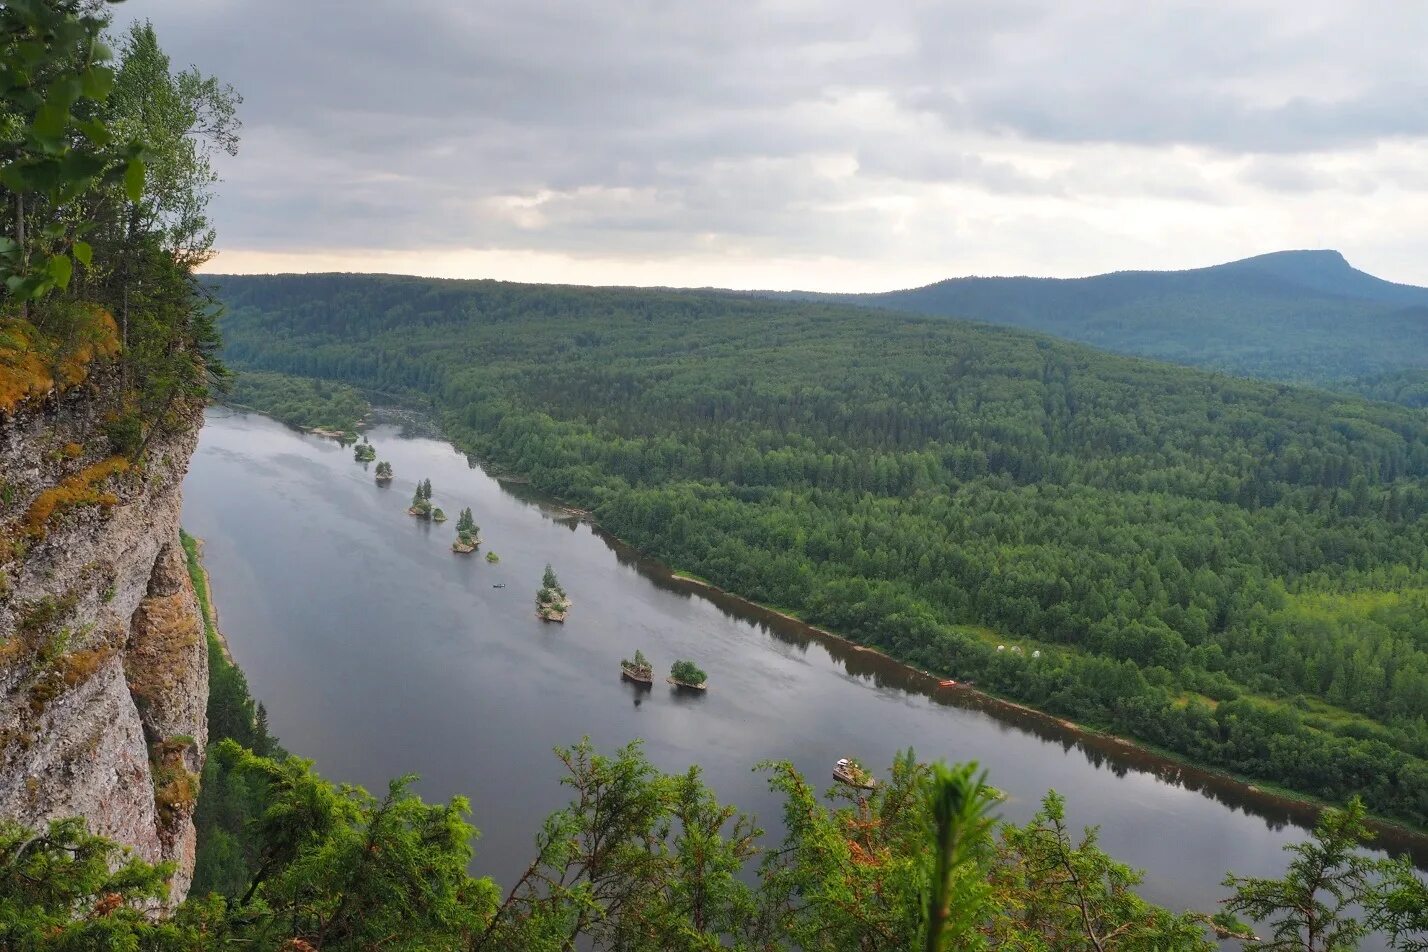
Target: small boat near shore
848,772
947,683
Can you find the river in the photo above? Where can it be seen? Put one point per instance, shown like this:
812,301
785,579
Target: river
379,652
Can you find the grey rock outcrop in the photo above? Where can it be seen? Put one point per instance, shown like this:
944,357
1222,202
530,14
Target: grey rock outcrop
103,663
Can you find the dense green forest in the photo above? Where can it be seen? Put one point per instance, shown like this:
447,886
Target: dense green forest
304,402
1302,316
1229,570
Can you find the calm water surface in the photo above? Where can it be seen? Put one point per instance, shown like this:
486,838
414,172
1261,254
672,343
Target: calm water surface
379,652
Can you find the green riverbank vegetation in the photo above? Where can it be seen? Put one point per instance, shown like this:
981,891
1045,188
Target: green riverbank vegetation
299,401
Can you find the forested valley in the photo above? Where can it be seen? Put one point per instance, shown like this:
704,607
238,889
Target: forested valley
1229,570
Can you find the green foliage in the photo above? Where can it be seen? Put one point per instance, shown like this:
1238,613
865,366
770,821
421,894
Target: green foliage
638,860
687,672
960,803
1399,907
466,522
54,146
640,663
64,889
421,500
550,595
1069,895
384,470
182,118
299,402
228,800
341,869
1310,908
364,452
69,192
1188,552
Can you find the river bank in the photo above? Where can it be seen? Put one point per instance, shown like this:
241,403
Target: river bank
203,591
380,654
1402,837
1399,838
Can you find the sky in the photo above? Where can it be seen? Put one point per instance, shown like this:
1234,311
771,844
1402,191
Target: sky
839,145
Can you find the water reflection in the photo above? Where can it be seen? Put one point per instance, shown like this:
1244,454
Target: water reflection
1101,752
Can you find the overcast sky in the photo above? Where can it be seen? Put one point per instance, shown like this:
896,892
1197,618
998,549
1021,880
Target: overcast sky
835,145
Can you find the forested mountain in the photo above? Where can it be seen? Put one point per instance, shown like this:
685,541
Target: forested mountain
1293,315
1230,569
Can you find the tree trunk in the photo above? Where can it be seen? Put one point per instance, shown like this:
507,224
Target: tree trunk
24,251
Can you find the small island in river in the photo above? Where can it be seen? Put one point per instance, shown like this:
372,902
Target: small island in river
421,501
468,534
552,604
364,452
639,670
384,473
685,674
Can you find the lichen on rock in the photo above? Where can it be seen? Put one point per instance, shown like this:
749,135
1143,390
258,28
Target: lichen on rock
103,666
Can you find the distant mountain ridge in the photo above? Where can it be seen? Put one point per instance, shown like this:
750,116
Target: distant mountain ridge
1304,316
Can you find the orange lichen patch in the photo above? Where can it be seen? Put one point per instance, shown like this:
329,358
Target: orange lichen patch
79,666
80,489
32,363
99,337
24,373
163,645
11,649
175,791
73,450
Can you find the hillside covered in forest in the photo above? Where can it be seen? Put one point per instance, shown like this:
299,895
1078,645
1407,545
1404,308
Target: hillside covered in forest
1227,569
1305,316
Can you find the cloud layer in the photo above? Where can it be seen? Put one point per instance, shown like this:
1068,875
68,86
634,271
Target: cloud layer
831,144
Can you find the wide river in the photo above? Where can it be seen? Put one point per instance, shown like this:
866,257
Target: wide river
379,652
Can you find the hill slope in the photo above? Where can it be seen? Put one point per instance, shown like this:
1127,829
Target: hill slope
1231,569
1303,316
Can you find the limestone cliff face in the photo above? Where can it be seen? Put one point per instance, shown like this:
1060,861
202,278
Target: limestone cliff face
103,664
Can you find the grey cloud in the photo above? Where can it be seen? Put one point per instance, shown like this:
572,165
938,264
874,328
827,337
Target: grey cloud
647,126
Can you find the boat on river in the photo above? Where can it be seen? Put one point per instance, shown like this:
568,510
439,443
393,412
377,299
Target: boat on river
848,772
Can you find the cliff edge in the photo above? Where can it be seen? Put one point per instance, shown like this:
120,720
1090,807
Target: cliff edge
103,666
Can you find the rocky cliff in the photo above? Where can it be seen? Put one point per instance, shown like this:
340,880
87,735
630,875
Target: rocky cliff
103,665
